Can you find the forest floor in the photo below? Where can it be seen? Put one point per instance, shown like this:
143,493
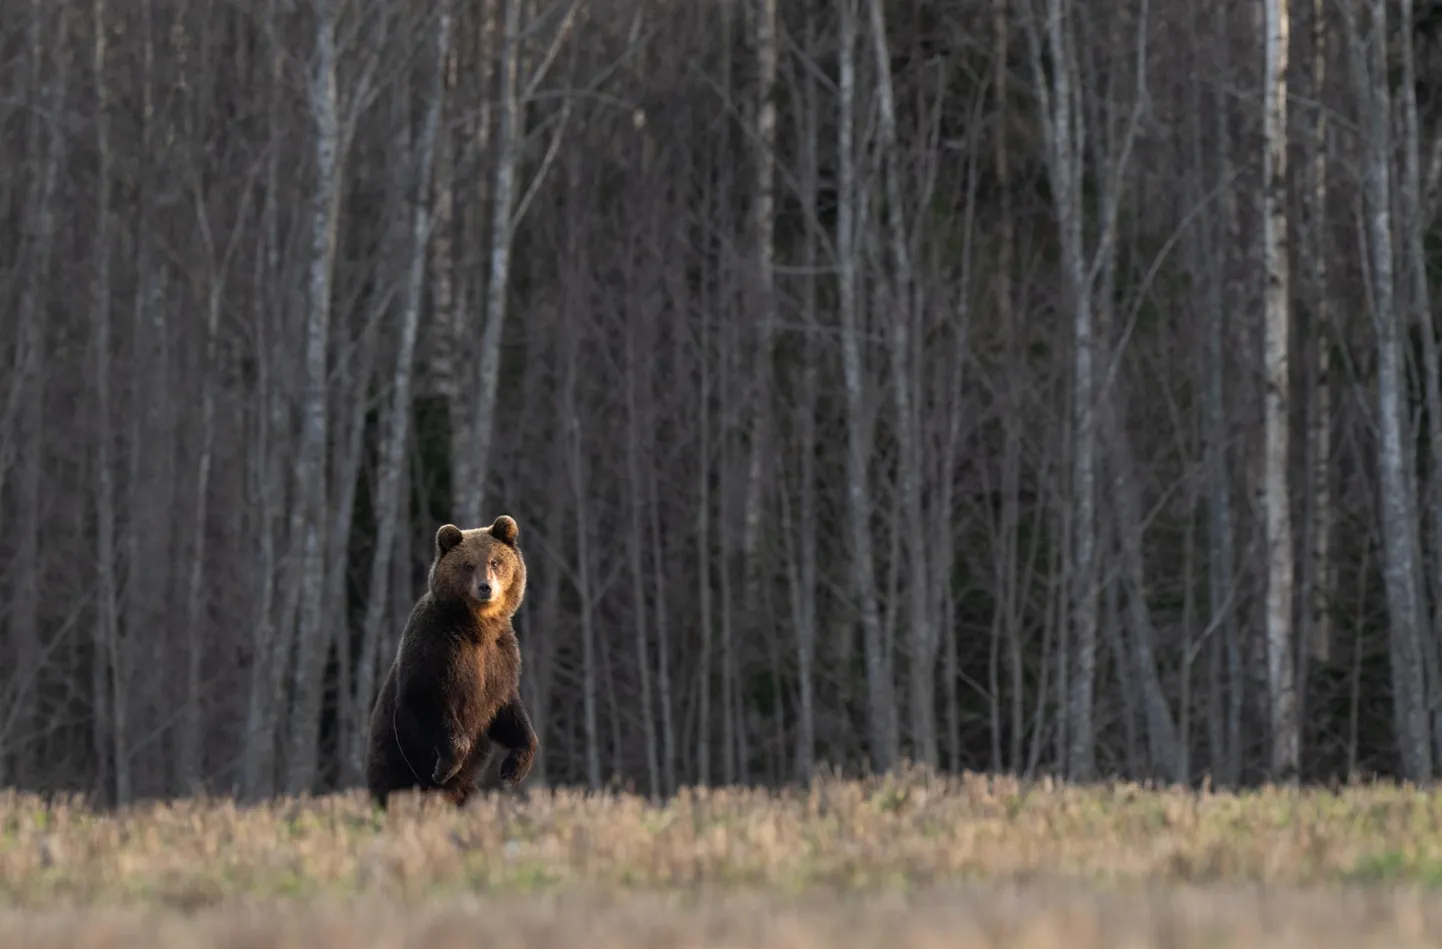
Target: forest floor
902,862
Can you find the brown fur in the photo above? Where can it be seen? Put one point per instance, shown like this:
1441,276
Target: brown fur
454,687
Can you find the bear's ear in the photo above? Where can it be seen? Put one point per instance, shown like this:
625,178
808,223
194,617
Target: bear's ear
505,529
447,537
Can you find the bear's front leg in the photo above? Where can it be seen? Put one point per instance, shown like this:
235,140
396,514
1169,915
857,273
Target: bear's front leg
450,757
512,728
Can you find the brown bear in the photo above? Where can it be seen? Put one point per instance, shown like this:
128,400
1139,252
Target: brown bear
454,686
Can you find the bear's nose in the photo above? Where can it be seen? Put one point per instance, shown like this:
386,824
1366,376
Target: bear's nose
484,590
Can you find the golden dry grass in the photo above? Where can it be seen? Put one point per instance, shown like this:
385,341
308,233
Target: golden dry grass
911,860
1038,916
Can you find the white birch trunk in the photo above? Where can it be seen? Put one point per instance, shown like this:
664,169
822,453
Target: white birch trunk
1281,671
308,517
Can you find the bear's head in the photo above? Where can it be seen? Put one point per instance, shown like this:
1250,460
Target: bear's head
481,567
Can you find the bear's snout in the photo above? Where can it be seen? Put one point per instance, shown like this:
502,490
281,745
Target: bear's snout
483,590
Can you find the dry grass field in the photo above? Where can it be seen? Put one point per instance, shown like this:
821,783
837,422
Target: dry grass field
902,862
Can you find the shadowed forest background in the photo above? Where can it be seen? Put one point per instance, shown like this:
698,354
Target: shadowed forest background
1024,385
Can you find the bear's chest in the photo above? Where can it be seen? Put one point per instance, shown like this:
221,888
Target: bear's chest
486,681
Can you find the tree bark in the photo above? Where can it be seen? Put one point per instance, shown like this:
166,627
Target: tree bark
703,558
473,460
1319,579
1062,127
1008,559
921,623
637,380
271,637
307,534
1213,255
151,481
1401,567
1281,670
881,717
108,671
755,616
804,573
663,643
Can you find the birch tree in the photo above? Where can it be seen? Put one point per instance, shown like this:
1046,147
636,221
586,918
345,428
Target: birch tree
904,386
1281,674
881,705
1223,294
307,519
151,480
1062,129
272,631
1319,573
474,457
1399,528
800,534
763,228
108,683
1008,559
637,371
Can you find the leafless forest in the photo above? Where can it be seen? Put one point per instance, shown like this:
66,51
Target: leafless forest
1026,385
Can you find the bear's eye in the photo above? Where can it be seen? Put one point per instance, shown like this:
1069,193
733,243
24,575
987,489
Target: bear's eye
468,567
495,563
